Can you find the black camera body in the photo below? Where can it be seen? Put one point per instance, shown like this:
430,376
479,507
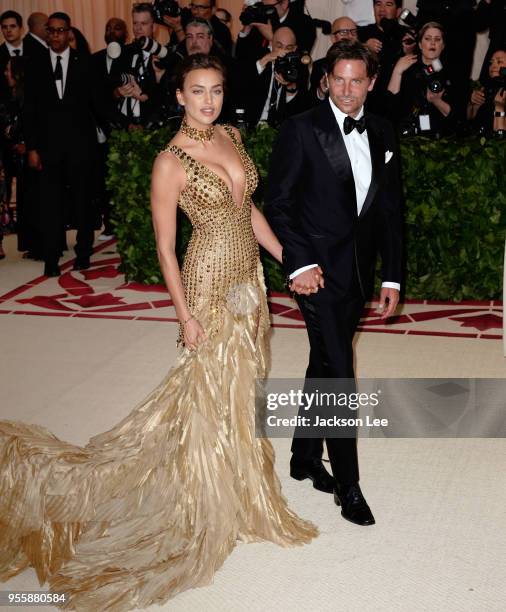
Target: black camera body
291,65
433,79
259,13
165,8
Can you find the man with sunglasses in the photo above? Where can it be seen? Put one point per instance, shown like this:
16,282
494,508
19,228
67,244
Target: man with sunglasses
60,135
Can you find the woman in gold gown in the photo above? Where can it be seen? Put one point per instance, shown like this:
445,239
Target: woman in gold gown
155,505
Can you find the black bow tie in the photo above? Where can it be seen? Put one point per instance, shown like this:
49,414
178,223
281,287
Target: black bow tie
350,124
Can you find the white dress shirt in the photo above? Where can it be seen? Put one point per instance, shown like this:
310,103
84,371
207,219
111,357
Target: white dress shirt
65,55
11,49
357,147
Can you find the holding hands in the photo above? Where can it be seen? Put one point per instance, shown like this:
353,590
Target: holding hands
308,282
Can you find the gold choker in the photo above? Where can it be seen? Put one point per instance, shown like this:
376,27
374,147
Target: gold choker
195,134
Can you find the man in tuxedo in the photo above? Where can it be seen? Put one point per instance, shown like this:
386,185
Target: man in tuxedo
35,42
11,24
140,99
60,135
333,198
267,95
254,38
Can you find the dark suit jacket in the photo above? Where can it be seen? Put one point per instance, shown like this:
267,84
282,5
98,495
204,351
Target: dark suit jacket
311,202
5,56
106,82
32,48
66,127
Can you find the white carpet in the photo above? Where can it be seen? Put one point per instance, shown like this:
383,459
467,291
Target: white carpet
439,504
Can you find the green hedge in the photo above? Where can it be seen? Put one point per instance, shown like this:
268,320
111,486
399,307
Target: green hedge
455,211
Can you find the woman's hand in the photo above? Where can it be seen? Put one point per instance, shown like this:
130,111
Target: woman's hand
478,97
193,334
500,100
405,62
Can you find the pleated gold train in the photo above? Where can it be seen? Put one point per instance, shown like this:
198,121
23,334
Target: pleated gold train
155,505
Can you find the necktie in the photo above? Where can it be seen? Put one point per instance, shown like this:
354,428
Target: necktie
350,124
17,52
58,71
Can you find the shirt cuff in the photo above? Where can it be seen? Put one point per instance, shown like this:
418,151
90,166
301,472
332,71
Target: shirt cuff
260,68
390,285
243,34
300,270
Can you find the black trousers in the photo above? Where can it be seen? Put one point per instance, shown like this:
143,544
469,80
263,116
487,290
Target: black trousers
331,325
66,182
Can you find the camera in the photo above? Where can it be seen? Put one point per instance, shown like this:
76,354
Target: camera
165,8
259,13
151,46
432,78
290,66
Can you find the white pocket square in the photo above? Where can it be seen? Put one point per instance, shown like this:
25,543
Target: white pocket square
388,156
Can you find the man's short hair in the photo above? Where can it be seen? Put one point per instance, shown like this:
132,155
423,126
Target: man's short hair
198,22
12,15
398,3
143,7
351,50
62,16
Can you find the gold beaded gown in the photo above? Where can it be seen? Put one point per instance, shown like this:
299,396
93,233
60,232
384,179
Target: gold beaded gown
155,505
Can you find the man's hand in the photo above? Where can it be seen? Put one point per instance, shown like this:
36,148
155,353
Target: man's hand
34,160
272,56
280,79
389,298
308,282
175,24
265,29
374,44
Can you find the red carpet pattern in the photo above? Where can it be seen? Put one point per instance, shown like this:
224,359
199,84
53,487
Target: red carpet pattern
101,292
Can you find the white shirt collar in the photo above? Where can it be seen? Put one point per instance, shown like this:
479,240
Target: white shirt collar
340,116
37,38
12,48
64,54
282,19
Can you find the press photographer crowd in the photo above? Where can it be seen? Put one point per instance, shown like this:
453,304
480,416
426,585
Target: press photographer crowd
59,102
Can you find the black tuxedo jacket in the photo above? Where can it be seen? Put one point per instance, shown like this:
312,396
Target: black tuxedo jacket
54,127
105,83
32,48
311,202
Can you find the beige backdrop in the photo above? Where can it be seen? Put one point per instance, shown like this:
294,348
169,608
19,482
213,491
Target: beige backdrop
90,15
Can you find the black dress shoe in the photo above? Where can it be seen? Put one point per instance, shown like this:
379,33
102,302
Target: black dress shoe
81,263
315,471
51,269
354,508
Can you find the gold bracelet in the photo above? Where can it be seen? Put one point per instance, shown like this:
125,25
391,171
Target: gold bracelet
187,320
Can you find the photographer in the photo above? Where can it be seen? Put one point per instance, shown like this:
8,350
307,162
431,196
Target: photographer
419,96
486,107
261,20
491,15
204,9
140,97
384,38
275,86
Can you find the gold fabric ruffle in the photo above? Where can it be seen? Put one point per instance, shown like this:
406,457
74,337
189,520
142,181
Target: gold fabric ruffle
155,505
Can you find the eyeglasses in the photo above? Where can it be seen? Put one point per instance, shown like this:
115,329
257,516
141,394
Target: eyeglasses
57,30
345,32
200,7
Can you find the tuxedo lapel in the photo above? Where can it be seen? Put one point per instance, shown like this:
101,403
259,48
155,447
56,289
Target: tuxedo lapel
377,149
331,140
72,74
